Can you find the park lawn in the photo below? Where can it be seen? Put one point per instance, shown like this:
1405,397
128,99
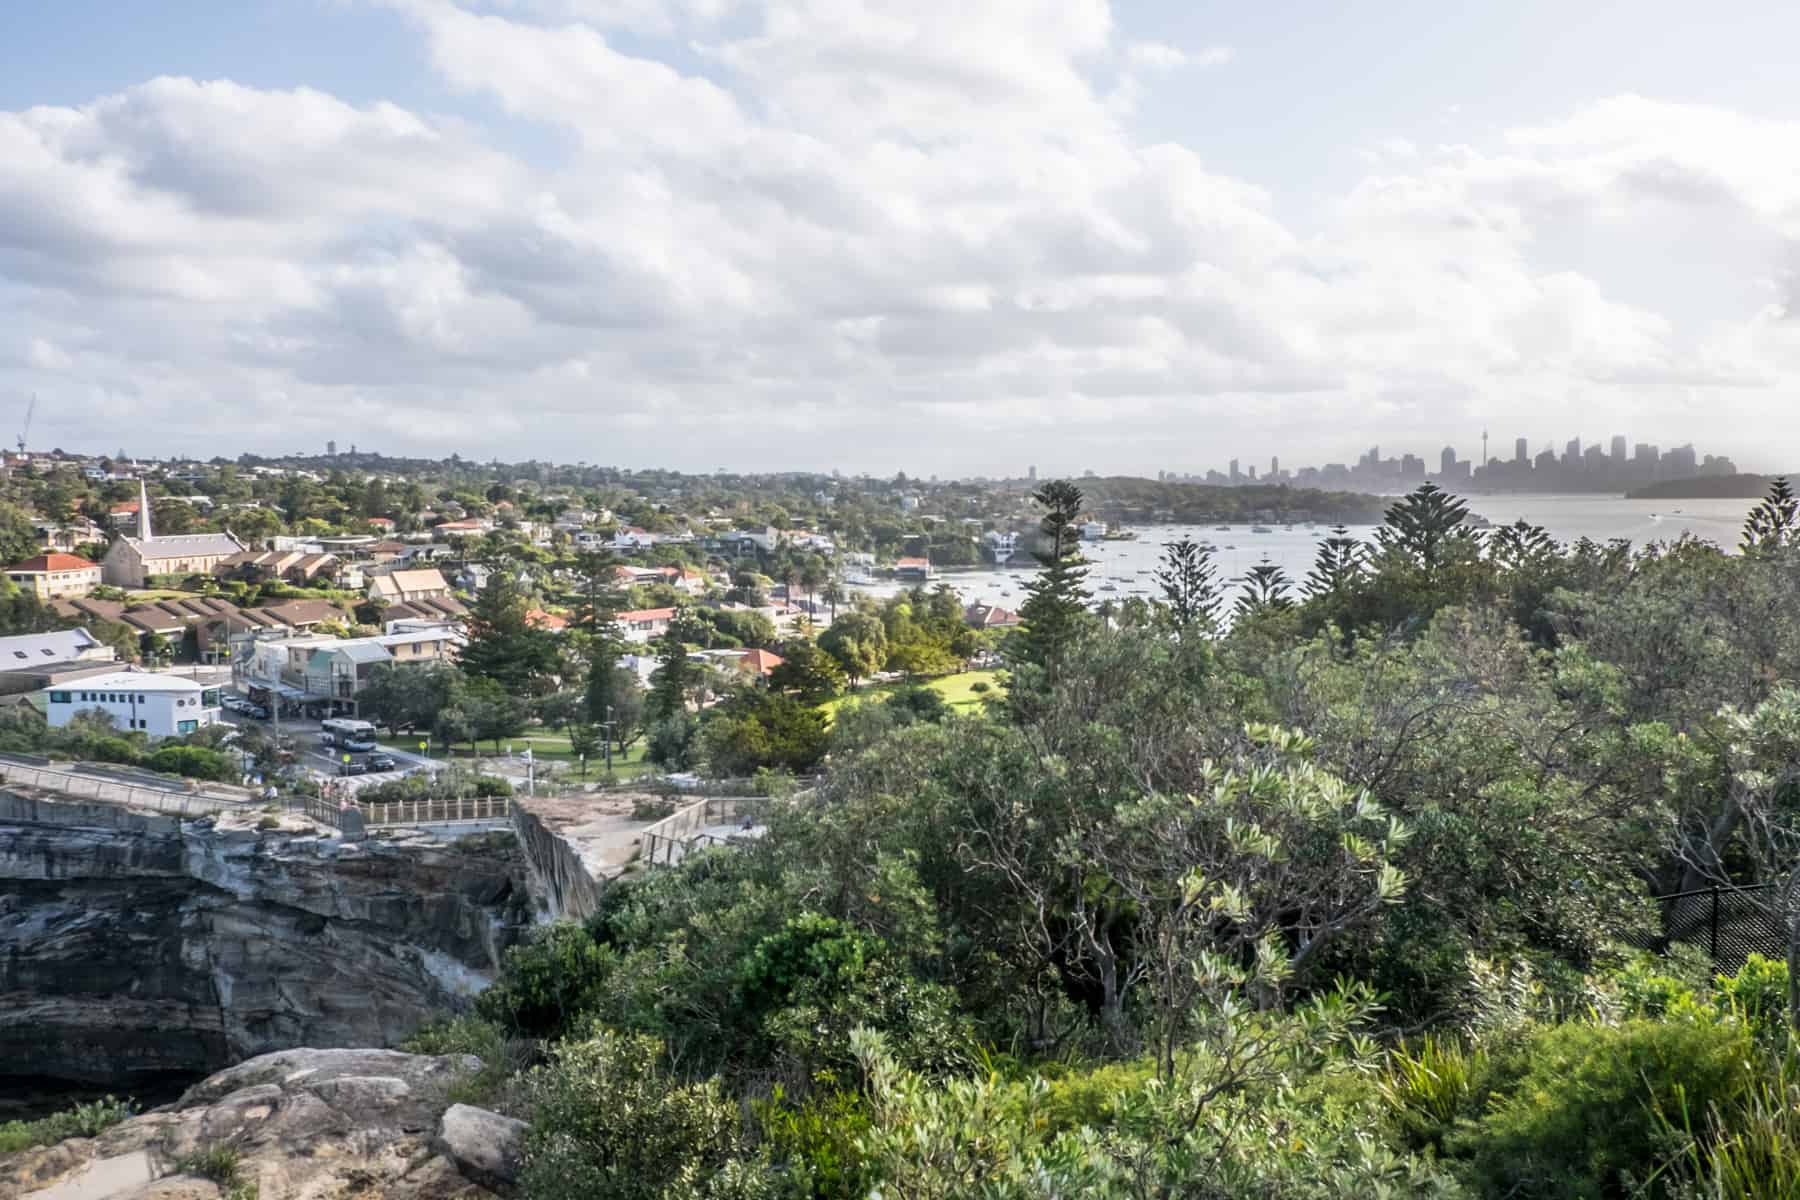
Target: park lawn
550,746
957,691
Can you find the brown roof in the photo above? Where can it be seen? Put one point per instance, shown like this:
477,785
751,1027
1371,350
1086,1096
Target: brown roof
432,608
304,612
45,563
760,662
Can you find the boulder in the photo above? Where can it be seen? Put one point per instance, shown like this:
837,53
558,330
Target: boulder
488,1147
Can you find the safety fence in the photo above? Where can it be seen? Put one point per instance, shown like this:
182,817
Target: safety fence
356,816
665,843
1728,923
85,786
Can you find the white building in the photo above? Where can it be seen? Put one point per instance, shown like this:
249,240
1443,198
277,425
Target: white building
1093,531
159,705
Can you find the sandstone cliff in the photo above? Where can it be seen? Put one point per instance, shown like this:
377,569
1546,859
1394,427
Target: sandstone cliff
135,945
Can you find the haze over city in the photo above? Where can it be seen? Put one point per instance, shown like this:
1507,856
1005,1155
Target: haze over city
928,236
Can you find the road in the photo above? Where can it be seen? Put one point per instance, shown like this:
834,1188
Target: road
327,763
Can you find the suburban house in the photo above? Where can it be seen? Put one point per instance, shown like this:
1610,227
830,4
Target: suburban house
289,566
158,705
60,646
468,527
989,616
645,624
131,561
324,674
406,586
630,537
67,535
757,662
51,575
913,570
440,609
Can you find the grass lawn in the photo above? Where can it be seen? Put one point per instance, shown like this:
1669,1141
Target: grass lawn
957,690
550,746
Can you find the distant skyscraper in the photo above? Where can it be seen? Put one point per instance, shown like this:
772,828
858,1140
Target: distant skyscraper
1235,473
1031,474
331,449
1274,466
1252,472
1447,461
1618,448
1521,452
1572,451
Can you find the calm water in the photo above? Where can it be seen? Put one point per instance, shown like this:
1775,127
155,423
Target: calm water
1129,566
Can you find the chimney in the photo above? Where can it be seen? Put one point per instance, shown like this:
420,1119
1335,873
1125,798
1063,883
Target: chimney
144,533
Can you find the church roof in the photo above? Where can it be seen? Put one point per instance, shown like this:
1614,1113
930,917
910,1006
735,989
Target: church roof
186,545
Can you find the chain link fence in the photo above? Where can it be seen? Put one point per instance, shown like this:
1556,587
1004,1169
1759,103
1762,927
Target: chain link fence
1728,923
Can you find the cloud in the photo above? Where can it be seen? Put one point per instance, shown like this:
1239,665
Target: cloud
819,232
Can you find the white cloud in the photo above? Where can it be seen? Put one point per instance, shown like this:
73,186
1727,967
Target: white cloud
856,234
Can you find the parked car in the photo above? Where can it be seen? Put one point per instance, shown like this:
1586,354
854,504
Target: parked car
257,711
382,762
354,767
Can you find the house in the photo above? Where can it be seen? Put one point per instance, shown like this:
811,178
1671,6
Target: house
131,561
537,618
438,610
758,662
289,566
67,535
990,616
158,705
380,524
468,527
630,537
1001,546
645,624
384,551
913,569
60,646
48,576
405,586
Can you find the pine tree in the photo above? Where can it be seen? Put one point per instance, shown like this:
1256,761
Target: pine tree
1190,587
1772,523
1427,527
504,645
1520,545
1265,588
1055,610
669,684
1338,566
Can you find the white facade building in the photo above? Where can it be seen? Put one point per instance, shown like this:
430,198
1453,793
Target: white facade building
159,705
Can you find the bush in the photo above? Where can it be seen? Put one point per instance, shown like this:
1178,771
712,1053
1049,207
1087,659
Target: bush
609,1120
1572,1110
84,1120
268,823
549,982
193,762
1758,994
652,808
492,785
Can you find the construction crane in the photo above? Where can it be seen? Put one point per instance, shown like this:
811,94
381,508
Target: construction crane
30,408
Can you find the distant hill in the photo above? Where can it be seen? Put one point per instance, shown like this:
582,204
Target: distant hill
1716,487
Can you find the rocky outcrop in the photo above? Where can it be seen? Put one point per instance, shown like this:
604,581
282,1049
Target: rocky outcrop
299,1123
574,845
134,945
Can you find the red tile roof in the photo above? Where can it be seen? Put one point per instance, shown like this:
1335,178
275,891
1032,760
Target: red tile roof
759,661
647,614
53,562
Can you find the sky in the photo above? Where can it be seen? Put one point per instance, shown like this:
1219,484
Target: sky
949,237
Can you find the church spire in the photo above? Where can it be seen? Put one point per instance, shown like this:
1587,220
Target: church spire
144,533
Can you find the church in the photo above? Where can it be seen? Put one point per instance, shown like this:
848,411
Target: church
131,561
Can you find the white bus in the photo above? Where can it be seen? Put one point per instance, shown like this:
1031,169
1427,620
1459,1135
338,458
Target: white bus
358,737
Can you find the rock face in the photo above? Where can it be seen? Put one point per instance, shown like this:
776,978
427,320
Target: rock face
312,1123
134,946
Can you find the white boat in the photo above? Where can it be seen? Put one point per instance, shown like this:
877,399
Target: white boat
1261,529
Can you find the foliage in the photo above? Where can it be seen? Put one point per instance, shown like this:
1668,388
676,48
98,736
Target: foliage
548,982
1055,612
194,762
808,672
756,729
1190,589
609,1119
1571,1111
88,1119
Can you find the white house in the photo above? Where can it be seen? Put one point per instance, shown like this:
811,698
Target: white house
159,705
645,624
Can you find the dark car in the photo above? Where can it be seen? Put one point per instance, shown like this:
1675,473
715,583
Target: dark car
354,767
382,762
257,711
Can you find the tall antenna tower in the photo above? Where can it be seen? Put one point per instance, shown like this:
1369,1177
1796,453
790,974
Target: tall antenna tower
1484,457
30,408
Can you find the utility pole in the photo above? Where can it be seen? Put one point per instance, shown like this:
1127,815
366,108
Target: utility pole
606,727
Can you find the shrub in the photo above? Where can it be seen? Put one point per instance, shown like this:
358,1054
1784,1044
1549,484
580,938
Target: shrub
217,1163
609,1120
193,762
650,808
1571,1110
1758,994
268,823
492,785
89,1119
980,687
1751,1151
1428,1089
548,982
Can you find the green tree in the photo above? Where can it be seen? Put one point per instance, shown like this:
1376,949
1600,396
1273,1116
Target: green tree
504,645
1264,588
1773,522
669,683
1055,609
1190,588
807,671
859,642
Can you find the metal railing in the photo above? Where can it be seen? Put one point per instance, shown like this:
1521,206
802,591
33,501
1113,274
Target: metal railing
443,811
1728,923
85,786
670,839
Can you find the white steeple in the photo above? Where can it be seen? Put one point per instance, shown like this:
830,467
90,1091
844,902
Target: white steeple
144,534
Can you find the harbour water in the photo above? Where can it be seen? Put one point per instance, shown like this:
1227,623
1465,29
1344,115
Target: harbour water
1129,565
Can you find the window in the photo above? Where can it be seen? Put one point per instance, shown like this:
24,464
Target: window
18,654
59,697
186,726
141,699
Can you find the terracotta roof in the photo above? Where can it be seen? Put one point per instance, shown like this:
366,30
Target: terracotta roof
647,614
760,662
912,562
537,618
53,562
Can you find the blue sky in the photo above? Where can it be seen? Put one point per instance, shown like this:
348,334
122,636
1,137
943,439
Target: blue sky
943,237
